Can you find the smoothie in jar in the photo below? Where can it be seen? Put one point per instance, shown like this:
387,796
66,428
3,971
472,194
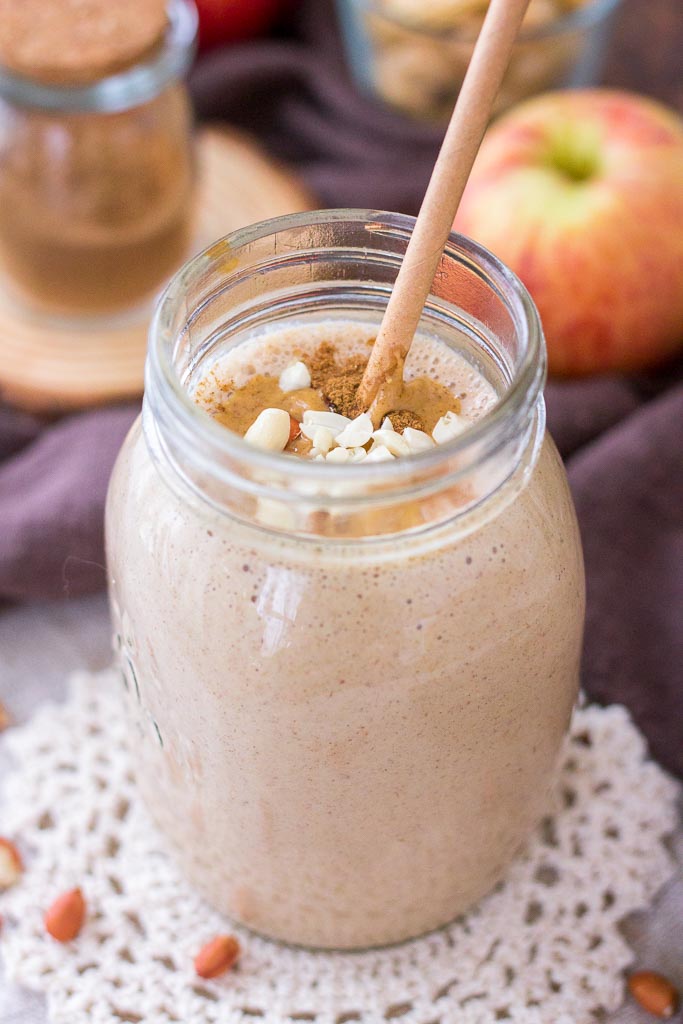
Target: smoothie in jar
348,676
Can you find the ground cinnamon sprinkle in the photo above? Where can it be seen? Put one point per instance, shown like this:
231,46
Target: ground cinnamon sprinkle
404,418
338,383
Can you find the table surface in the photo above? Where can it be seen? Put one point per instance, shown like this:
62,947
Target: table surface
41,644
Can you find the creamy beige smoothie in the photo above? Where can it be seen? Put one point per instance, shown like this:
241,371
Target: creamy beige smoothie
346,742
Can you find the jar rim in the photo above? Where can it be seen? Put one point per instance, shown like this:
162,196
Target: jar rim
117,92
211,441
592,13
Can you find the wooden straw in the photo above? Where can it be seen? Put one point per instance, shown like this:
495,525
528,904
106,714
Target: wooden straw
383,376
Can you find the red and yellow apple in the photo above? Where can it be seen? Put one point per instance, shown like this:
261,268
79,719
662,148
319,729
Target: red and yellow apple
581,194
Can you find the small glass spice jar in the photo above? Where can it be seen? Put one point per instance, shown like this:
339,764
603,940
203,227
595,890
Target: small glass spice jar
96,163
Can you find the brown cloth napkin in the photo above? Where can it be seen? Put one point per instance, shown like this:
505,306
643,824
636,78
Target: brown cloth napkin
622,439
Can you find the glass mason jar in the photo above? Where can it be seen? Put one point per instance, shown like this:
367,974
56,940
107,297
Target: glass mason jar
347,685
413,55
97,179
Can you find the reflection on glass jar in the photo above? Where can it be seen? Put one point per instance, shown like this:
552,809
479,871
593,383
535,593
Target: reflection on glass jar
347,685
97,177
414,55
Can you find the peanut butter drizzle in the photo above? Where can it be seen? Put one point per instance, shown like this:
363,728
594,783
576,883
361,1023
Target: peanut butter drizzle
239,410
426,399
421,402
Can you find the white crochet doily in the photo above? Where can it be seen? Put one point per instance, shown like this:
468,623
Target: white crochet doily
544,948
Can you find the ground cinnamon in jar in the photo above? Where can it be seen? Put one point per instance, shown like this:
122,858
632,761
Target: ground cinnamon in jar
95,194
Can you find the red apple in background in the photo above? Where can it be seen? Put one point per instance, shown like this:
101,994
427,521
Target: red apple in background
225,21
581,194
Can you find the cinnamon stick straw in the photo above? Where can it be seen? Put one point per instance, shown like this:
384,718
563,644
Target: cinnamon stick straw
383,377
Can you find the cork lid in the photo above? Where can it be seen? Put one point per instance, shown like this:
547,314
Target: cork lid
73,42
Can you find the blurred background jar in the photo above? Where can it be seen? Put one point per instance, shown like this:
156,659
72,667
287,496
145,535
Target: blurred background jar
413,54
96,166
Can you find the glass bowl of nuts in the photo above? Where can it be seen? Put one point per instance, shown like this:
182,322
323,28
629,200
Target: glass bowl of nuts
413,54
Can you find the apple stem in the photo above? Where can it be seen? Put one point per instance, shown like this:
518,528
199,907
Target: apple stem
575,150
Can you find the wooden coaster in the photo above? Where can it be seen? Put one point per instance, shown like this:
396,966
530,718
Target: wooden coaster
53,365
